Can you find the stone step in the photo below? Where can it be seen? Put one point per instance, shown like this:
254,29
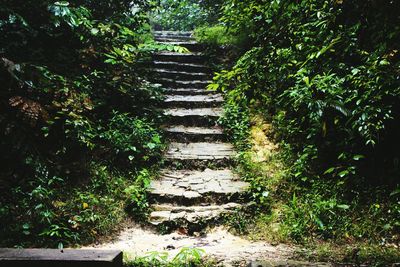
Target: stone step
190,45
193,58
171,83
192,218
174,36
188,91
173,33
172,39
171,65
180,75
186,187
193,101
200,151
194,134
194,116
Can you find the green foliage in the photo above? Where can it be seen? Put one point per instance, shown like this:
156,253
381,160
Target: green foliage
214,36
74,102
330,216
313,78
236,121
137,195
371,255
326,74
131,139
179,15
185,257
185,15
51,211
239,221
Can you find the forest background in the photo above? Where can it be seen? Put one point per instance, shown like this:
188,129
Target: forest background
80,137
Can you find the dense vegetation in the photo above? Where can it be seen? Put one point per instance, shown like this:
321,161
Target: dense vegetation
326,75
185,15
77,130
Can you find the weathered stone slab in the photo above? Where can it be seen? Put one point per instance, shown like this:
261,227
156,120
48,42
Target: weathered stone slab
173,33
216,98
188,91
173,38
192,57
181,66
192,214
180,43
63,258
193,116
194,134
193,101
195,186
180,75
168,36
194,130
172,83
203,112
200,151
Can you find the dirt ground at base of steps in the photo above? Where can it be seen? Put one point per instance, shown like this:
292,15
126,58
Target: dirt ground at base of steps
218,244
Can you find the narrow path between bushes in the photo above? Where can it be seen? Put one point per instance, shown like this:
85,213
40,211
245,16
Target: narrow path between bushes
197,189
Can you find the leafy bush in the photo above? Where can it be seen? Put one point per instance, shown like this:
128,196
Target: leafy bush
185,257
236,121
179,15
74,102
137,204
50,211
215,36
326,74
131,139
185,15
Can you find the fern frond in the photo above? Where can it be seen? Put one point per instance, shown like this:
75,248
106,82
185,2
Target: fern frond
30,110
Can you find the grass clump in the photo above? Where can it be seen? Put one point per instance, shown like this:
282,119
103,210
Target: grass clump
216,35
186,257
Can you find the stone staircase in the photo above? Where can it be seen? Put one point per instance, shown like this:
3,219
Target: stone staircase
197,187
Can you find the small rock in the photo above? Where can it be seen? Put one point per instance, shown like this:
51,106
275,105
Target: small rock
182,231
191,194
170,247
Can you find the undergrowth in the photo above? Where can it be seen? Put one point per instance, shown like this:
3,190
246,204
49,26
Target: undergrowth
78,128
53,212
215,36
186,257
318,79
314,217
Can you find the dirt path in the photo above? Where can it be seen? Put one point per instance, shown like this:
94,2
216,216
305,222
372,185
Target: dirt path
229,250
